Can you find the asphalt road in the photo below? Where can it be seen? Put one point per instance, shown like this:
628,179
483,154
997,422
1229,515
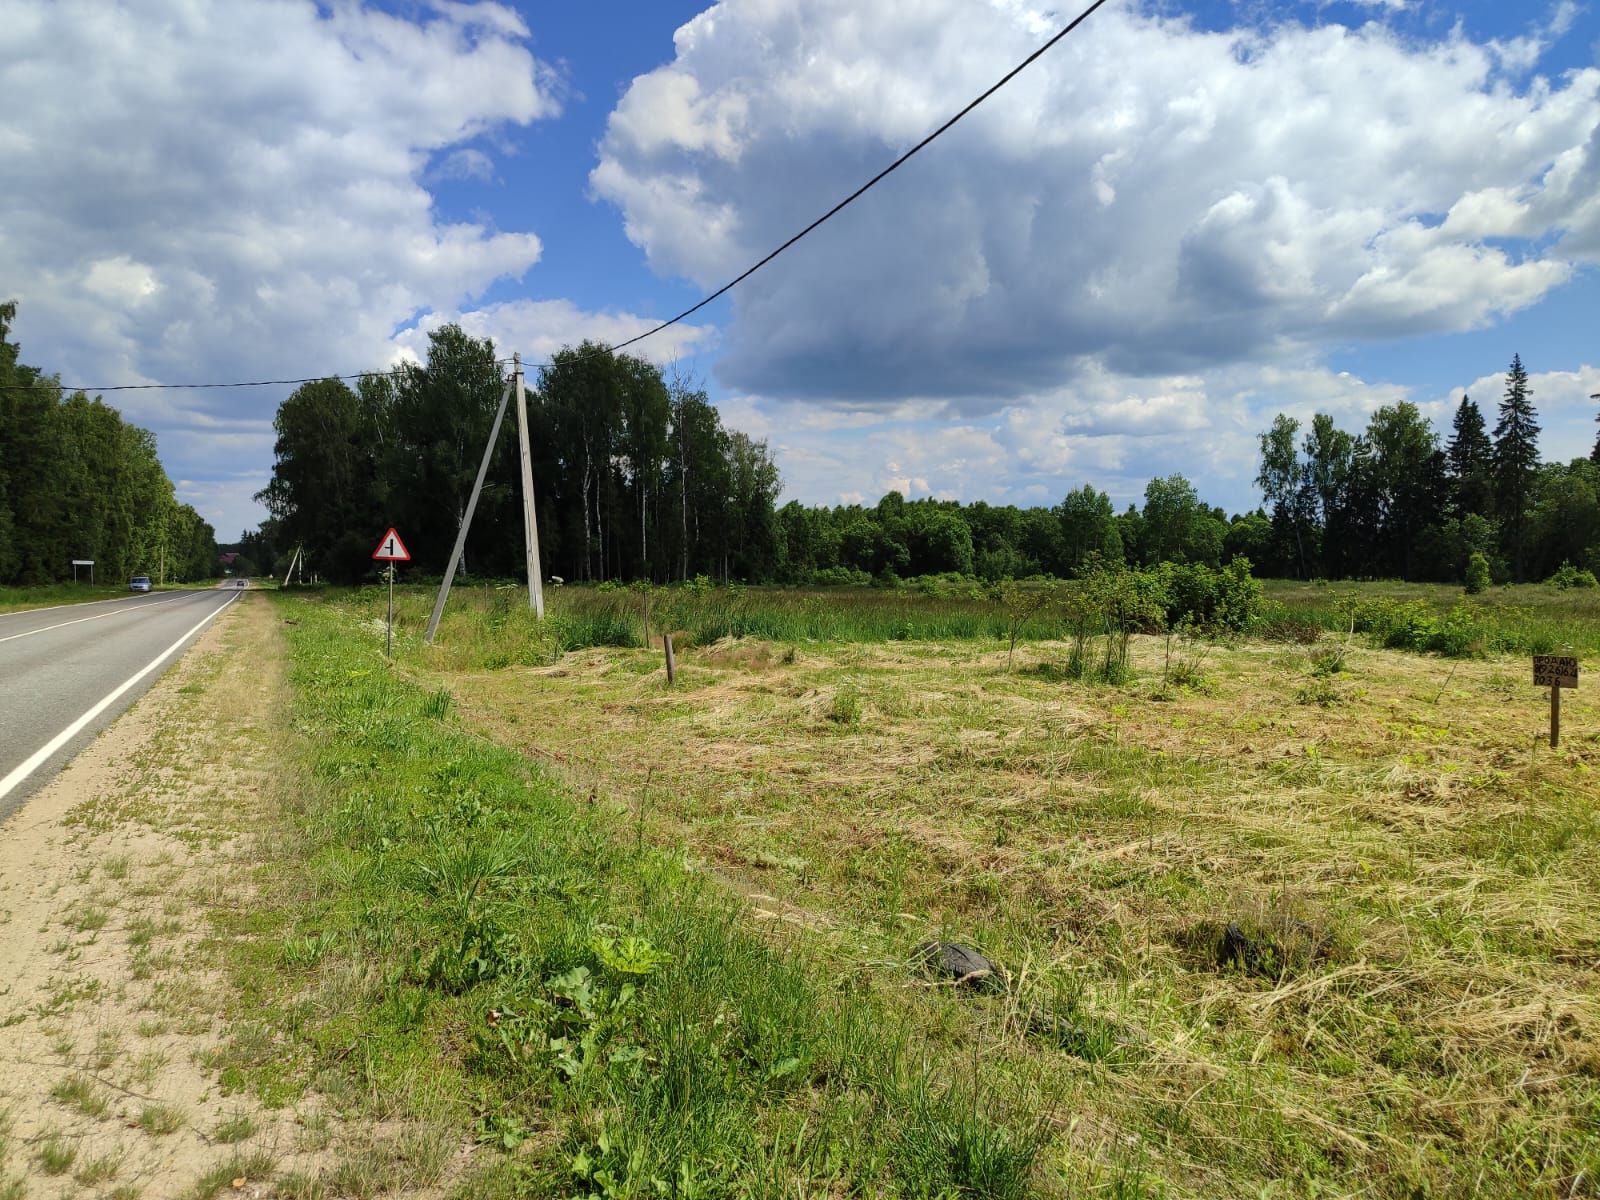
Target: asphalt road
66,673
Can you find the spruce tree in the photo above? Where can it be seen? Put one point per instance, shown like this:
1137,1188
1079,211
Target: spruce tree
1470,456
1516,459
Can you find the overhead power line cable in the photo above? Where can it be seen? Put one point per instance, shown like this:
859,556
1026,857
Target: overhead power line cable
155,387
725,288
871,183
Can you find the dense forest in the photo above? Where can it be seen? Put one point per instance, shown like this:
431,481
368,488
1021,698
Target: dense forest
1395,501
636,477
77,481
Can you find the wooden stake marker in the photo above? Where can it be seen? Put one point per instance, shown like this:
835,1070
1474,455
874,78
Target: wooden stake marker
1555,671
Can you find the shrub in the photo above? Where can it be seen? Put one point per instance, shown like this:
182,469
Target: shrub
1110,603
1320,691
1478,577
1569,576
1194,594
1412,625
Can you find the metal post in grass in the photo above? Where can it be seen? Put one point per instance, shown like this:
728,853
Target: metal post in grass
672,666
391,550
466,517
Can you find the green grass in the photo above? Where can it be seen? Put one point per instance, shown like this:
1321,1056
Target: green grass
602,1014
236,1127
47,595
80,1092
55,1155
99,1170
1411,874
682,968
1529,618
158,1120
488,626
254,1168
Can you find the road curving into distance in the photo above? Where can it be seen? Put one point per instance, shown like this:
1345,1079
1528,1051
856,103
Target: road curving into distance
68,672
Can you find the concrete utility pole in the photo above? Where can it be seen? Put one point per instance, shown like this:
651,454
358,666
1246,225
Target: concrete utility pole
530,522
466,517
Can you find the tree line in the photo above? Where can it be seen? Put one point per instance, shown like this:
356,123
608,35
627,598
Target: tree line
77,481
636,477
635,474
898,538
1396,501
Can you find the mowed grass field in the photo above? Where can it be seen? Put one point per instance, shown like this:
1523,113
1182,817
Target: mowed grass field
1278,917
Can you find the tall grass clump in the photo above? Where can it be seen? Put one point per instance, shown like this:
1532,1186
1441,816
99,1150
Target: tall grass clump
597,1013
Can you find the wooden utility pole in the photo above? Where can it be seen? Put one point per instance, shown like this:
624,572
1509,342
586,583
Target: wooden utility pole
530,521
466,517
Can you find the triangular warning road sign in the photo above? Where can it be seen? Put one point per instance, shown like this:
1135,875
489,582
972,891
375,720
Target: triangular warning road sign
391,548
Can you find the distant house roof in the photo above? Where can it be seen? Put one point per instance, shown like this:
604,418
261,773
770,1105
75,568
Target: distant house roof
228,557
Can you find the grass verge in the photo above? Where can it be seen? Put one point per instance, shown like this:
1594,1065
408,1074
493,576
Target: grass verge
456,944
46,595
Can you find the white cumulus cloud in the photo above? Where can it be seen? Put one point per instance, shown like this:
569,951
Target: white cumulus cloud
225,189
1148,198
539,328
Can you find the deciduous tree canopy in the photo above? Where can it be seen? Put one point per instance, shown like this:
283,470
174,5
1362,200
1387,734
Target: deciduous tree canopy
636,477
77,481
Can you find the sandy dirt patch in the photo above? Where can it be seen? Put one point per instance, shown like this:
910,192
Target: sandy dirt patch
109,1005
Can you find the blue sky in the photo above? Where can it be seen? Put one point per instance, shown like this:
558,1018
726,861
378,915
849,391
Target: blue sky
1187,217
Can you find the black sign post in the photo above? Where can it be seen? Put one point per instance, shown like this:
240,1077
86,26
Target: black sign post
1555,671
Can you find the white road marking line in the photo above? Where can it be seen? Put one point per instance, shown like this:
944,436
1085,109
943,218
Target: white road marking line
25,612
81,620
39,756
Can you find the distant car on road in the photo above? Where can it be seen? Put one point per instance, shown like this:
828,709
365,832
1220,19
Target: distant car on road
139,583
241,583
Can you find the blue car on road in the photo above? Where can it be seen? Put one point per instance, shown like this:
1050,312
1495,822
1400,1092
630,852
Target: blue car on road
139,583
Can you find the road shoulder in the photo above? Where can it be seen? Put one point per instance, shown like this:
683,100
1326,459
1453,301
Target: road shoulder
114,879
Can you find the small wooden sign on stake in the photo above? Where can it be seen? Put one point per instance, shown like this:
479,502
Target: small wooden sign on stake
1555,671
